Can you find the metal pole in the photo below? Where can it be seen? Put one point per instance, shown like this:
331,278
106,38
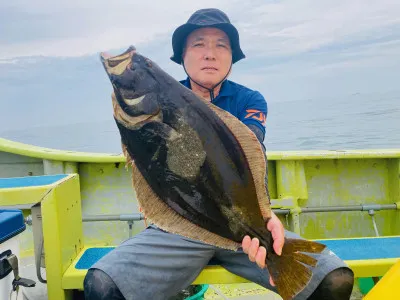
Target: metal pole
279,211
124,217
362,207
371,212
130,224
139,216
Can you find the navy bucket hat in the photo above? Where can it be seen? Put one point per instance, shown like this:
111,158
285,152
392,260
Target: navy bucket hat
208,17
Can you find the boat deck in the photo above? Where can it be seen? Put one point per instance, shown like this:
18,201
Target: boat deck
341,195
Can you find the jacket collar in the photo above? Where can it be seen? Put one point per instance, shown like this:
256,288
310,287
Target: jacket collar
226,88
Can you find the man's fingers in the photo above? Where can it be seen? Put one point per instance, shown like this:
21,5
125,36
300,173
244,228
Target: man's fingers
261,256
271,281
279,239
246,244
278,247
278,235
255,243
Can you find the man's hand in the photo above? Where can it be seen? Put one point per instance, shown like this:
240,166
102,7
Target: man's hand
258,254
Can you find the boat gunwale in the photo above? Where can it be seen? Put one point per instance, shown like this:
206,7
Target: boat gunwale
18,148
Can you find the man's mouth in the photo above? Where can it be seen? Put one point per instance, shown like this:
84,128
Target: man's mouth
209,68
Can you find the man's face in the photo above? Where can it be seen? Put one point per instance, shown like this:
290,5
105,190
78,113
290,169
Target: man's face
207,56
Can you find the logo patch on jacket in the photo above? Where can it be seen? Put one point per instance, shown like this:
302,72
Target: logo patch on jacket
257,115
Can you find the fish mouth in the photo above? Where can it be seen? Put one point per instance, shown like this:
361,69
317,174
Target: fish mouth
110,60
105,55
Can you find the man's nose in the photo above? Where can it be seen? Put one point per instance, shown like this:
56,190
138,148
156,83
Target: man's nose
209,53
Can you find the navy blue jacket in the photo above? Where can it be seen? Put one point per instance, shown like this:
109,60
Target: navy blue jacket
247,105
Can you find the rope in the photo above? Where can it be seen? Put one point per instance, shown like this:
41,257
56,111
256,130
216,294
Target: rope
16,293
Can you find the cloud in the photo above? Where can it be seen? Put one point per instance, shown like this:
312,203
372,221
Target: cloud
292,27
268,28
75,28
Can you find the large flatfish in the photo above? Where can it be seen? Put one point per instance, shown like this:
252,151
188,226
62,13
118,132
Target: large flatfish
197,170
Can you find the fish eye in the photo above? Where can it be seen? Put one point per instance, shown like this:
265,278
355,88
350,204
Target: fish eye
148,63
134,66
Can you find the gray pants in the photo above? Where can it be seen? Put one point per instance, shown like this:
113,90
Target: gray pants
155,265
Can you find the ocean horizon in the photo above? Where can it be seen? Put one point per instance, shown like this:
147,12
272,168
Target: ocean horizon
357,121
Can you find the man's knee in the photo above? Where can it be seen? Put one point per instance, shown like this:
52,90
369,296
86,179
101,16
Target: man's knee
98,285
337,285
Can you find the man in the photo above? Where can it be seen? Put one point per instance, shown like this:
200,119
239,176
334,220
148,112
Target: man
155,264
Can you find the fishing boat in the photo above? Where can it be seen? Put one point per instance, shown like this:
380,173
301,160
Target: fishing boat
77,206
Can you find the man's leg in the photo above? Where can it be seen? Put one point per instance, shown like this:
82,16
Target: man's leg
98,285
331,280
337,285
152,265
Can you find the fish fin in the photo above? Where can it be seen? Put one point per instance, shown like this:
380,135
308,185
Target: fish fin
302,245
305,259
253,153
166,218
291,271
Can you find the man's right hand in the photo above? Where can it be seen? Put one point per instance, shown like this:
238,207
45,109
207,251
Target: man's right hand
258,254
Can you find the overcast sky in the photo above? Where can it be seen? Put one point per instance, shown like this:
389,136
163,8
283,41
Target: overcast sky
267,28
296,50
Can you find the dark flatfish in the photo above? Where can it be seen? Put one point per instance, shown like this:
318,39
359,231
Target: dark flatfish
197,170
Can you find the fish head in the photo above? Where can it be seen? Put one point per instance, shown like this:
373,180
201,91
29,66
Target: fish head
134,84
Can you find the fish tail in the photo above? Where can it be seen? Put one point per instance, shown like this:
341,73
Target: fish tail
291,270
